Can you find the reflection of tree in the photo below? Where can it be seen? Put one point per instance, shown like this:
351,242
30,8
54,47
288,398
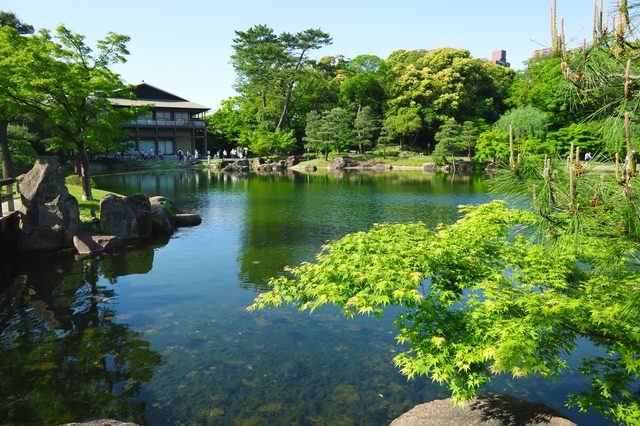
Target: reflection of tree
288,218
62,357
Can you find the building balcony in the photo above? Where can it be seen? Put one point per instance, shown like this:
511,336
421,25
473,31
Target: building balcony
172,123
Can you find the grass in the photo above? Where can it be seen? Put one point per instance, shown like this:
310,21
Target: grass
413,161
87,206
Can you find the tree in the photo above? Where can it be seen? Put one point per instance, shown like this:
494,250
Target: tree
469,135
267,64
363,84
542,86
365,128
262,142
450,139
315,132
338,127
512,288
7,109
61,81
527,122
406,124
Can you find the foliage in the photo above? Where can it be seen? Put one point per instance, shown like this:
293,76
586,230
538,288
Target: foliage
225,126
315,134
528,123
337,125
586,136
365,126
270,66
542,86
262,142
450,139
60,80
169,208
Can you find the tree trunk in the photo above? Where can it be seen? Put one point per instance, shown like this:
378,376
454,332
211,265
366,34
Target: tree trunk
7,164
77,166
286,106
86,175
326,153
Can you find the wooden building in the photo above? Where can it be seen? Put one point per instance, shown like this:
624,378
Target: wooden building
173,122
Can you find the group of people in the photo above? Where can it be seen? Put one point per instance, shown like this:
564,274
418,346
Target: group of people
142,155
235,153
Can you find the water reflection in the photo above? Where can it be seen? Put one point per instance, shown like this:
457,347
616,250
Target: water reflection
189,298
65,355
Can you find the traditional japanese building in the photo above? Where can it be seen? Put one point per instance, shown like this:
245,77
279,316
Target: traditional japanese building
173,122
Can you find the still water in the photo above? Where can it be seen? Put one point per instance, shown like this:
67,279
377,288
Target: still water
158,332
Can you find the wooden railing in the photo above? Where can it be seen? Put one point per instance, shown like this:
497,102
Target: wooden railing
7,196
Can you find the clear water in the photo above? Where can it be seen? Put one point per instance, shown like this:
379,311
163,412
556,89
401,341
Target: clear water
158,332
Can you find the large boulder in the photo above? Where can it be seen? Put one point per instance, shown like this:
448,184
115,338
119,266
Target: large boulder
488,409
430,168
128,217
256,163
265,168
291,161
159,199
160,218
49,216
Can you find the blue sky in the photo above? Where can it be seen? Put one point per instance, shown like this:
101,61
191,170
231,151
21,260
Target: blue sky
184,47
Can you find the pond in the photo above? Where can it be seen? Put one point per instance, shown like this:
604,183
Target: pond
158,333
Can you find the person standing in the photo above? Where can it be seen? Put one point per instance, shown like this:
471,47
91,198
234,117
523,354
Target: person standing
224,154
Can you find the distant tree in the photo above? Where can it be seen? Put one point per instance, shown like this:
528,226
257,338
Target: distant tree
450,139
528,122
338,127
469,134
404,126
492,145
365,127
587,136
383,141
270,65
314,132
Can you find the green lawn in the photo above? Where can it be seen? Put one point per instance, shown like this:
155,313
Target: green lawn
86,206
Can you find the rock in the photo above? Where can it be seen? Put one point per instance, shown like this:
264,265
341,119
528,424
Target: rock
186,219
310,168
278,167
488,409
49,216
160,218
430,167
382,167
291,161
90,242
373,162
461,166
159,199
128,217
338,163
256,163
265,168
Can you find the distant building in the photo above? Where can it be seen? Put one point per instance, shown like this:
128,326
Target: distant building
542,52
499,57
173,122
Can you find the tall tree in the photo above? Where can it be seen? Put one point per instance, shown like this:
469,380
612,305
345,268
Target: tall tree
450,139
315,132
338,127
269,64
63,82
363,82
7,108
365,127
